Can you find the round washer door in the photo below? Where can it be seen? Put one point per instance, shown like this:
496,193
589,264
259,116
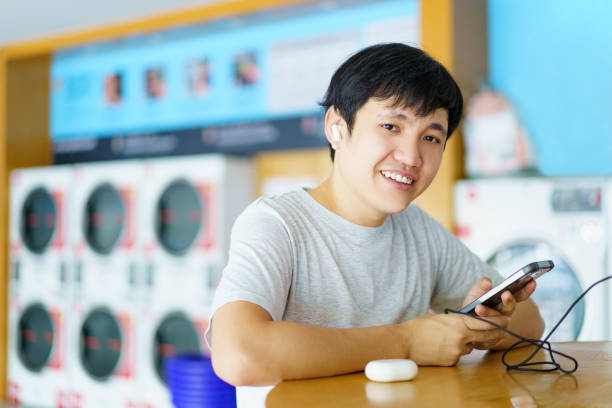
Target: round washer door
176,334
104,218
555,291
178,218
35,335
100,343
38,220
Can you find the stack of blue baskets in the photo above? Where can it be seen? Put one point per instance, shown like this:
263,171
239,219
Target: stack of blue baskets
194,384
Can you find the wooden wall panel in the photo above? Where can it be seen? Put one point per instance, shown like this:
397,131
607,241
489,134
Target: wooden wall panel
24,142
27,124
437,27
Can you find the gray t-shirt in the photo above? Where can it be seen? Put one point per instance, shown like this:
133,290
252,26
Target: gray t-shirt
303,263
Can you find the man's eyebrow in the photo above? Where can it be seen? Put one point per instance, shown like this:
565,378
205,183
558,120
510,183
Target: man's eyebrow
394,114
437,126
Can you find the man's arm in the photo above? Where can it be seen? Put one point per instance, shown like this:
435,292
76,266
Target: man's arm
249,348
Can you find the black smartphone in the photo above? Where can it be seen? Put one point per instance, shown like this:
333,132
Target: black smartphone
514,283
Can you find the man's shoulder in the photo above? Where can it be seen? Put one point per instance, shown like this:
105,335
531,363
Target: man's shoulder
284,208
273,218
281,204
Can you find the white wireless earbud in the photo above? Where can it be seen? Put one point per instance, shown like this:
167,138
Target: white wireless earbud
335,133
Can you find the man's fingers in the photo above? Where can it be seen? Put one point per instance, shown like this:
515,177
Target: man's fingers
524,293
468,348
481,287
479,325
508,303
485,284
484,311
486,336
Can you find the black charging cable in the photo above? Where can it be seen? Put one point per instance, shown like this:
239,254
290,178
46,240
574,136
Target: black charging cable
539,344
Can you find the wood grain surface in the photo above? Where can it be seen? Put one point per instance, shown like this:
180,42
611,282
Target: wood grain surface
478,380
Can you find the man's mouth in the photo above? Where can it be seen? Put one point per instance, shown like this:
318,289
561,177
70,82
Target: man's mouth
396,177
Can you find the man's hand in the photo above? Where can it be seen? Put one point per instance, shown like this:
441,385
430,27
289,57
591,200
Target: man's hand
509,301
441,339
506,308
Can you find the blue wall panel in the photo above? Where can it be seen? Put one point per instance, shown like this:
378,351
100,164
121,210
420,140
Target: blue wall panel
553,61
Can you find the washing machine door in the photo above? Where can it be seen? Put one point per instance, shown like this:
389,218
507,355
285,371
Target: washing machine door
35,337
178,218
100,344
38,220
105,218
555,291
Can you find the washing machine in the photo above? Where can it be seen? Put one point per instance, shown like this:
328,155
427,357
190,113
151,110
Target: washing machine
510,222
106,281
39,287
189,205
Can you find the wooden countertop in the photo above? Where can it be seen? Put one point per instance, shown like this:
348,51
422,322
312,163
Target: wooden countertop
478,380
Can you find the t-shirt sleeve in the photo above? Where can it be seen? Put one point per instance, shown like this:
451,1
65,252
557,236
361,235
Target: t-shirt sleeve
458,269
259,263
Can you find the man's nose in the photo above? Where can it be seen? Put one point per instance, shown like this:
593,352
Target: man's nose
409,153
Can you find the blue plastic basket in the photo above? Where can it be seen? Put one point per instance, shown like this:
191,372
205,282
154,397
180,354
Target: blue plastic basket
193,383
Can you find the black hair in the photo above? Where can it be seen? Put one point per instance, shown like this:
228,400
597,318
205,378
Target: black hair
398,71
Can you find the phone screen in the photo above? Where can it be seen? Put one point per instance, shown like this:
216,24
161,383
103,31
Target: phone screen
514,283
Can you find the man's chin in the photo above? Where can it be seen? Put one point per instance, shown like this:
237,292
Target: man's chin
395,207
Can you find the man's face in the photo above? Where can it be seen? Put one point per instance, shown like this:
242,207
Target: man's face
390,158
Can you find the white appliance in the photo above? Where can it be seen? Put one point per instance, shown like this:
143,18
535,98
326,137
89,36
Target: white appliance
106,264
189,205
510,222
39,292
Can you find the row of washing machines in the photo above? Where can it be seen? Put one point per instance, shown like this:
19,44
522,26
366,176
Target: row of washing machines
512,221
113,267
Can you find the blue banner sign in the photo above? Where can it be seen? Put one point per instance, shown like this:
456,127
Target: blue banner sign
262,70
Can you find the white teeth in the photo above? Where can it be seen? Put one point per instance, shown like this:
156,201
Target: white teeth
397,177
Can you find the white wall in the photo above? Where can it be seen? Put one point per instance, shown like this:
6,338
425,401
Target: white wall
31,19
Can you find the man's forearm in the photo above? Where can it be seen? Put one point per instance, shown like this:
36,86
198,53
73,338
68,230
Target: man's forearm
285,350
249,350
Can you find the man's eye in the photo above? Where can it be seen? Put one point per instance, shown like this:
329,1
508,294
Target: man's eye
432,139
389,126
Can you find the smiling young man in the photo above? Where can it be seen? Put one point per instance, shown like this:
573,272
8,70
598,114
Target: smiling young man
321,281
